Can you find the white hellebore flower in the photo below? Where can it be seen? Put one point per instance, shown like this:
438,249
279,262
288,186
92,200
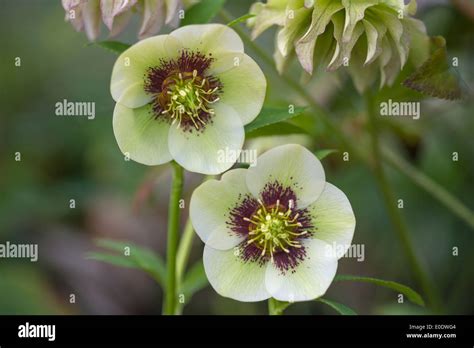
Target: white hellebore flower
273,230
185,97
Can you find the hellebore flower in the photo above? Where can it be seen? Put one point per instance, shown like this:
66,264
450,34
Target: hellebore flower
272,230
185,97
87,14
371,37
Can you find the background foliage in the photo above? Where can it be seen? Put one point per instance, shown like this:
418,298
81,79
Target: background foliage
67,158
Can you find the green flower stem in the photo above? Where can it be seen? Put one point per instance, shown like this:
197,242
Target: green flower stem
430,186
173,236
184,249
425,183
185,245
393,211
274,307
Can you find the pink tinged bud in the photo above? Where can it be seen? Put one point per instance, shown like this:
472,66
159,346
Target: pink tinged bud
91,16
153,18
111,9
120,22
172,12
73,15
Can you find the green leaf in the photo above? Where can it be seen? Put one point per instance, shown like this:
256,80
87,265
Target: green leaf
139,258
411,294
321,154
338,307
282,128
270,116
202,12
436,77
241,19
116,260
113,46
194,280
276,307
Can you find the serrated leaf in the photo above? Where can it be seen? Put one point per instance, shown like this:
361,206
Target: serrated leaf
194,280
435,77
270,116
321,154
282,128
139,258
411,294
338,307
202,12
113,46
241,19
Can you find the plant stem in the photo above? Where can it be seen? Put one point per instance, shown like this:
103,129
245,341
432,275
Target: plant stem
184,249
185,245
430,186
274,307
393,211
173,236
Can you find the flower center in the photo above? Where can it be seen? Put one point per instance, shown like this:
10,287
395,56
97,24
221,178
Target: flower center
186,96
183,92
274,228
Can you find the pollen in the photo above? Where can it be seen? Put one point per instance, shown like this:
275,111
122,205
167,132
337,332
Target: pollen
186,97
183,92
275,228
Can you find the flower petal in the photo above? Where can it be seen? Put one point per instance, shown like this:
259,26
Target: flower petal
322,13
293,29
333,218
266,15
120,22
244,84
309,279
233,277
127,84
292,166
153,18
91,17
210,207
209,38
172,10
110,9
73,10
140,136
204,151
355,11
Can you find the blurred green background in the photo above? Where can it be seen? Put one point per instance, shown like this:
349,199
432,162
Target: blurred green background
65,158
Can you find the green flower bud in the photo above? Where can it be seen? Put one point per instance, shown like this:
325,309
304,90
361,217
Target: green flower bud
372,38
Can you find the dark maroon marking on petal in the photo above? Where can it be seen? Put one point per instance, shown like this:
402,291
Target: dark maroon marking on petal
287,262
275,191
187,62
158,79
246,207
251,253
304,218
